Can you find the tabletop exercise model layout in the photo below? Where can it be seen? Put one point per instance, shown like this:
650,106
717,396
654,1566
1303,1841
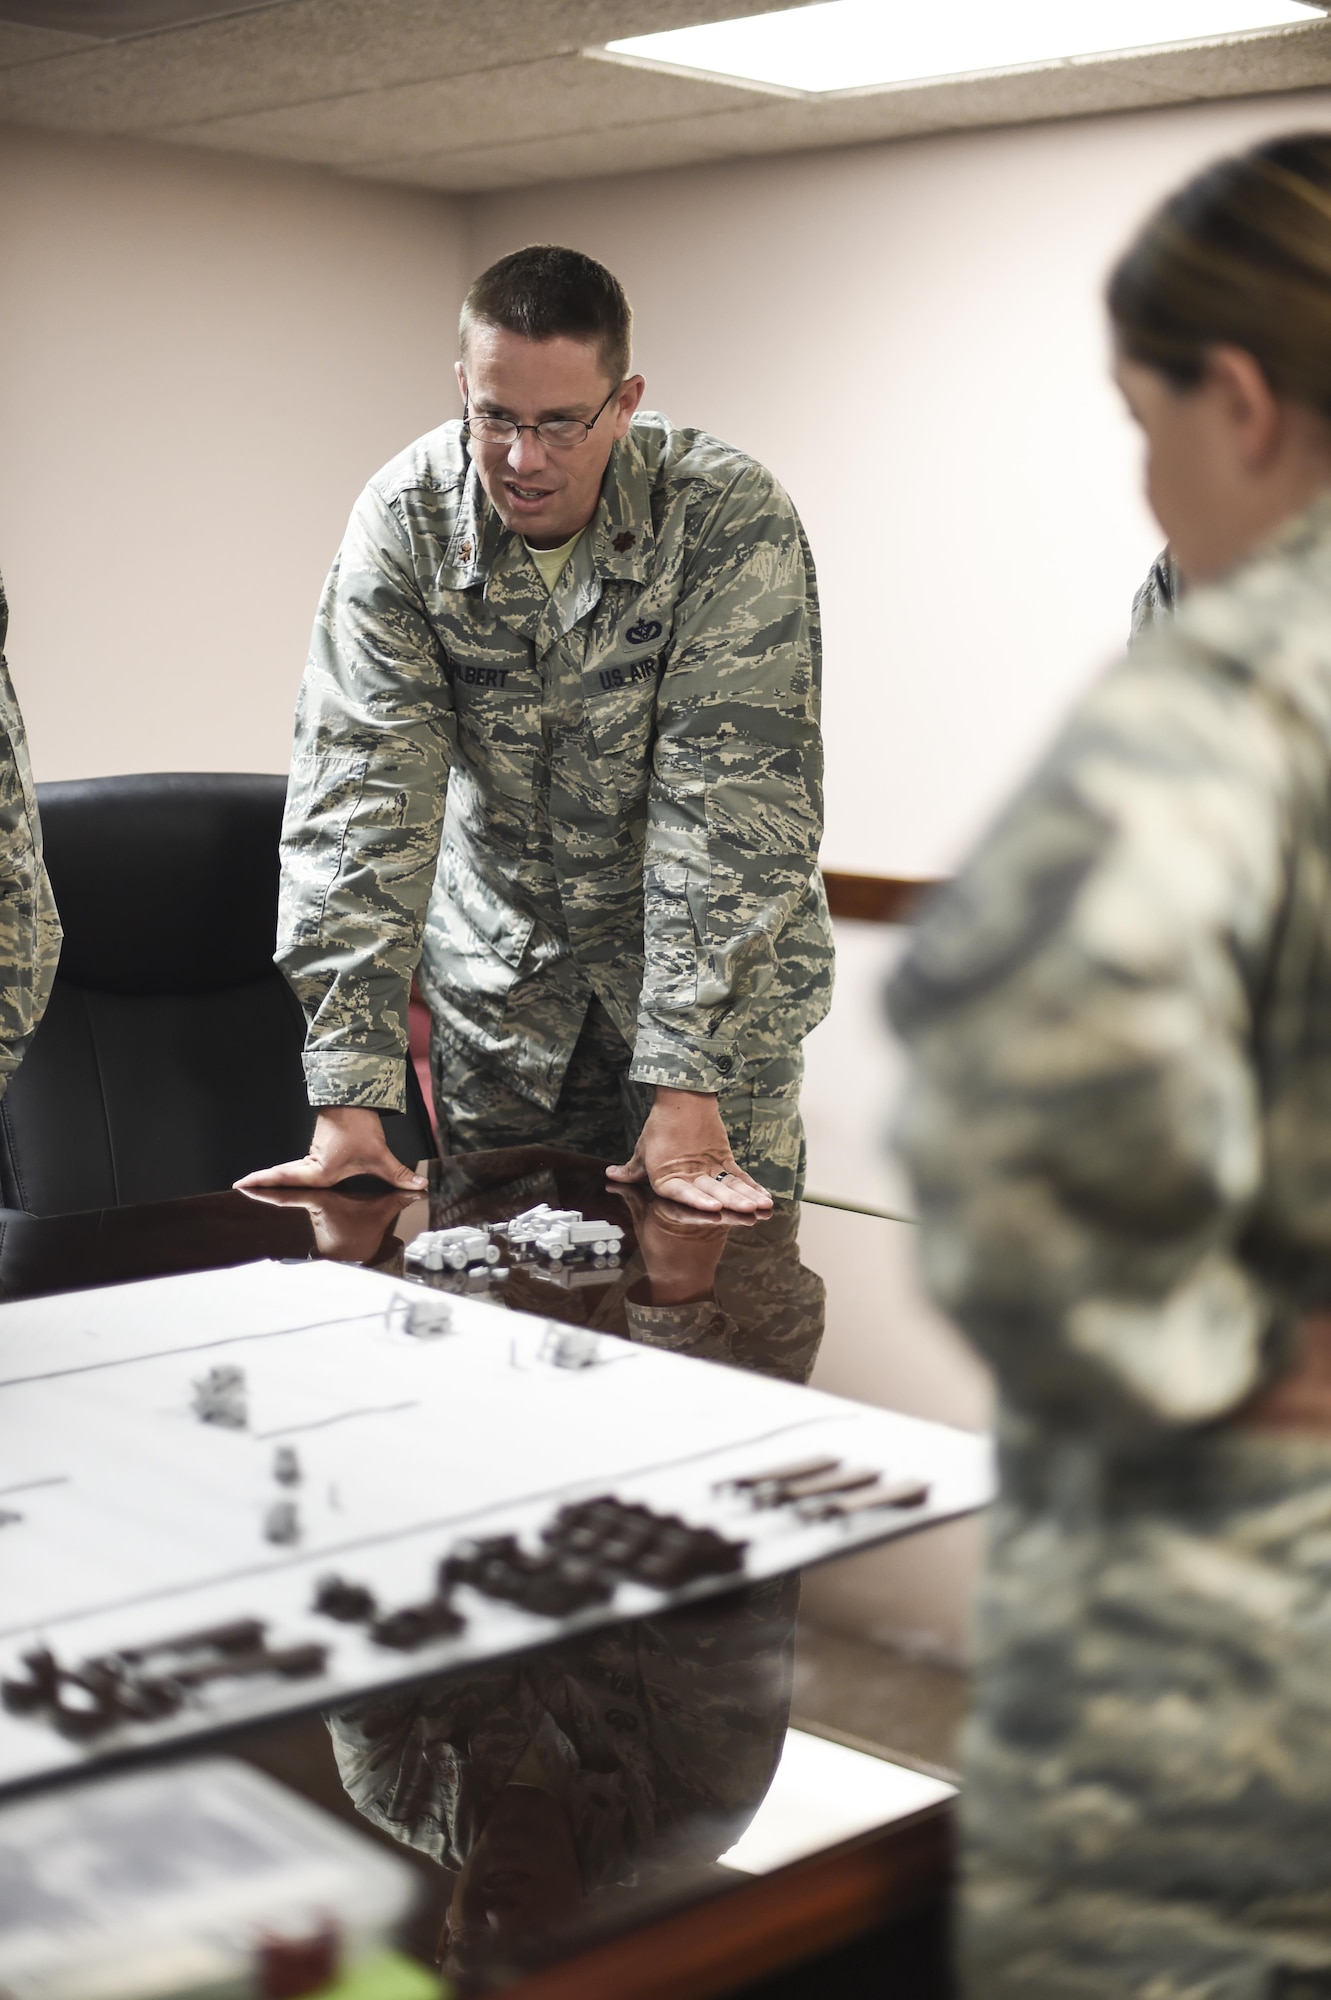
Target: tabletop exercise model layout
240,1493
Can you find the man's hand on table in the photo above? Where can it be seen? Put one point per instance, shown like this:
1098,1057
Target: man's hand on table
347,1141
684,1154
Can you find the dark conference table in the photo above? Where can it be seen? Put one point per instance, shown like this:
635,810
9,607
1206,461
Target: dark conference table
678,1720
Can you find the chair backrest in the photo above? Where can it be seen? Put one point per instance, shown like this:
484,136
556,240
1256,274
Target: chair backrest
168,1062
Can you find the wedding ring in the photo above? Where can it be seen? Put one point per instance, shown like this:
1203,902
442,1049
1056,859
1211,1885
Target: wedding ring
724,1175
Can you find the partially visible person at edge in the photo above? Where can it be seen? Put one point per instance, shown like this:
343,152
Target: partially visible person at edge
29,926
1119,1130
558,740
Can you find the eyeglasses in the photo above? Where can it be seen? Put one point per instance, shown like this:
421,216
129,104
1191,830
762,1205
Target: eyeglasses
559,433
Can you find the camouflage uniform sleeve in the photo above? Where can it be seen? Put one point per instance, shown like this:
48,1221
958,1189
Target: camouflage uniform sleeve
374,740
1158,597
735,800
1083,1120
29,926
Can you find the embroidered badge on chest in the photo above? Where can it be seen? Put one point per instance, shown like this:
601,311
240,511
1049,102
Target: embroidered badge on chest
643,632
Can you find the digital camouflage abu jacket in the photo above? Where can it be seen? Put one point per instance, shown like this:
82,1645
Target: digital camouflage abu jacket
1119,1125
626,772
29,927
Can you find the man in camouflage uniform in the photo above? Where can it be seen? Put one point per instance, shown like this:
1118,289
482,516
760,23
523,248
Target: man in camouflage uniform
589,806
1119,1128
29,926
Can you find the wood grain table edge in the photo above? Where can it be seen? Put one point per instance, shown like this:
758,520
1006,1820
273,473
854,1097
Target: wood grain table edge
769,1923
874,899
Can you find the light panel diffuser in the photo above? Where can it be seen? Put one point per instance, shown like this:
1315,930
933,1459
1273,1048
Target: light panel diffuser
865,44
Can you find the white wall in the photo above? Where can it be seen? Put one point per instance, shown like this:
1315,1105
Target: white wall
853,1072
201,361
910,335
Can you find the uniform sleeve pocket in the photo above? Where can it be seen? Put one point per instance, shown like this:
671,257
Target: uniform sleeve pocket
321,804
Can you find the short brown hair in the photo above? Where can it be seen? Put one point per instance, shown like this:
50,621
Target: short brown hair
547,293
1240,256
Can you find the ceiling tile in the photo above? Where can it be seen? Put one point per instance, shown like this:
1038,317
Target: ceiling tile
782,125
308,50
628,149
471,94
113,20
27,45
1298,59
523,102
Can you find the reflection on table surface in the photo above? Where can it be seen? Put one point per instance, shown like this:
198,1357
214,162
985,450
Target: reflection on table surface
570,1792
726,1291
583,1784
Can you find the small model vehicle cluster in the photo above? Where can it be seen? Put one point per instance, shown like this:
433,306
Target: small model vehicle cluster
145,1683
561,1235
826,1489
553,1236
577,1560
584,1552
581,1556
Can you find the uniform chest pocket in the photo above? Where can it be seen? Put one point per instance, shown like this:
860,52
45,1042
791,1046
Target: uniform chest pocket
497,704
620,697
492,693
488,667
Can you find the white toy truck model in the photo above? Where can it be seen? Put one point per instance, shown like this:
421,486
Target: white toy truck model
570,1241
451,1249
561,1235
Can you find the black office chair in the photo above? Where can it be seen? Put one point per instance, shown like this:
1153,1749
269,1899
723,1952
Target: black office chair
168,1062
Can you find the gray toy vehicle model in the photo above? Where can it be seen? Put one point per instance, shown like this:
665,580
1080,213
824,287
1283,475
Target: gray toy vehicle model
451,1249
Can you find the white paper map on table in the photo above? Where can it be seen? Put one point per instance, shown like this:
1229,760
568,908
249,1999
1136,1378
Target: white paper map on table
124,1517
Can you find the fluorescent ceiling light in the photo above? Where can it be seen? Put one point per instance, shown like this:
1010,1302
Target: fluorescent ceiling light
866,44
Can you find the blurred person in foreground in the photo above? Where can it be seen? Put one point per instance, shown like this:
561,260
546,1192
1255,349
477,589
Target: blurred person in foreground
29,926
1119,1129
